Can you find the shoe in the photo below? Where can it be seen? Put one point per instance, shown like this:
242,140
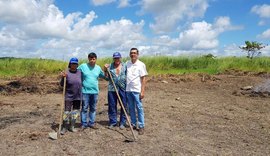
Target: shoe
111,126
122,127
63,131
72,126
64,127
141,131
73,129
133,127
93,127
83,128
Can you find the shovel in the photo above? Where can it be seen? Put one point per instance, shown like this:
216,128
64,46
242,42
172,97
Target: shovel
55,135
120,101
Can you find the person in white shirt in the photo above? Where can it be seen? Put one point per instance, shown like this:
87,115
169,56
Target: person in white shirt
136,72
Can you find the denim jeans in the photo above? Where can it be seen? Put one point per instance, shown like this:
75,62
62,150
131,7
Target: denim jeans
134,101
112,110
89,102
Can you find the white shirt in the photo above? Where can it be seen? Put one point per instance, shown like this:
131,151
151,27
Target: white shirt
134,73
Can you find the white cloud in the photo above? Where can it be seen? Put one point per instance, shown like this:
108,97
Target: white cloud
114,35
102,2
232,50
198,38
122,33
168,13
261,23
265,34
224,24
63,49
20,11
200,35
262,10
53,34
123,3
266,51
49,33
54,24
9,39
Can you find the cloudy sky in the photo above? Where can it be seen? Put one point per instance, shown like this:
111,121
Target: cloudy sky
60,29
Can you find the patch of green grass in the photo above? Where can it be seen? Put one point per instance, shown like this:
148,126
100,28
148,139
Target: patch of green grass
25,67
155,65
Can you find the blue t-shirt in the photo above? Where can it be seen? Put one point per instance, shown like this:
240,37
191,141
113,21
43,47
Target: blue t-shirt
90,77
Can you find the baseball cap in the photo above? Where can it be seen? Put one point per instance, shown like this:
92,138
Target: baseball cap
74,60
116,55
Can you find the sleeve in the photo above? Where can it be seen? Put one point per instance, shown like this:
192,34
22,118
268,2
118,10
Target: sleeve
62,82
143,71
101,74
81,73
80,67
125,68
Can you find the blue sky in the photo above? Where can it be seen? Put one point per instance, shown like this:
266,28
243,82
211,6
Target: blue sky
60,29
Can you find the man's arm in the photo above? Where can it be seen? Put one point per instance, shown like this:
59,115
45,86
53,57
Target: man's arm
103,75
143,83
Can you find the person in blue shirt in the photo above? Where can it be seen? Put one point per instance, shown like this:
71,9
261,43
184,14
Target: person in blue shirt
90,75
118,72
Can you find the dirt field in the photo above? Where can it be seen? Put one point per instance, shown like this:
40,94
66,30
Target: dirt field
184,115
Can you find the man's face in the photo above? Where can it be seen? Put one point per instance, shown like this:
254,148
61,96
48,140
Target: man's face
73,66
133,54
117,61
92,61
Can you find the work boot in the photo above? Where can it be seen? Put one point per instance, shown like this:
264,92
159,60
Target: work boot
93,126
73,117
64,127
122,127
112,126
65,122
72,125
133,127
141,131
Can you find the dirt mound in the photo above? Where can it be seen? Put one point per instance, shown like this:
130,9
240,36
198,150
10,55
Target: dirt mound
33,84
237,72
260,90
176,78
42,84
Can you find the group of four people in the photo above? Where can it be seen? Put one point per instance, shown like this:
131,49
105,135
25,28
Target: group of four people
82,84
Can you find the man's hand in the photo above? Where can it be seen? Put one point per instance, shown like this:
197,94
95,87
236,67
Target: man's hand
142,95
106,66
63,74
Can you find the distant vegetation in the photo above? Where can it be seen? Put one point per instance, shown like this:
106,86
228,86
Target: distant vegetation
10,67
252,48
23,67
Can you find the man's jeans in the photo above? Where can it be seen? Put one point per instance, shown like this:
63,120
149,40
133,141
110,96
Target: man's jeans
134,101
112,110
89,101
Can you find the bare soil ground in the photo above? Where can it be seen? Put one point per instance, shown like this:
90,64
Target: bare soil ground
184,115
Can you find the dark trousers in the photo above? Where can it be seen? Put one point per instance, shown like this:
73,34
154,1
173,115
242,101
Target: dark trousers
75,105
112,110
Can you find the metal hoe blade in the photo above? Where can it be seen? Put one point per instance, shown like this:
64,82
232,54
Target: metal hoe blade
53,136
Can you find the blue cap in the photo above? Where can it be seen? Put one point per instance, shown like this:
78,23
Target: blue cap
74,60
116,55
